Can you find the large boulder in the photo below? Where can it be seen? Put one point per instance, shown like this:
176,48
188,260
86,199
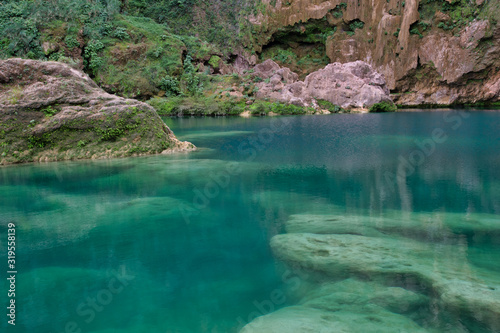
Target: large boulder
350,85
50,111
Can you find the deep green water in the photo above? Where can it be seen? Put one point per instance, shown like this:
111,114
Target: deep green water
188,235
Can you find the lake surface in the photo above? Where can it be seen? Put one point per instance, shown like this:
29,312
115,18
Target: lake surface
181,243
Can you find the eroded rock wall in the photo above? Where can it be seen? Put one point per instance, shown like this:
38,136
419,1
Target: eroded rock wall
350,86
426,55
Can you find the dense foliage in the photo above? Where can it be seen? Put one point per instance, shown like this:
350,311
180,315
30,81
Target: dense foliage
134,48
215,21
383,107
23,23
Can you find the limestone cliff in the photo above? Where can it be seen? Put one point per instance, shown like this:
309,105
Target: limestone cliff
51,112
430,51
350,86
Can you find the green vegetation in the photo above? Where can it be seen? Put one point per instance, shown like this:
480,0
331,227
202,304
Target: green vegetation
49,111
356,24
329,106
170,85
419,28
196,106
312,31
265,107
301,47
337,11
25,25
445,26
195,17
168,48
383,107
209,106
134,56
214,61
461,12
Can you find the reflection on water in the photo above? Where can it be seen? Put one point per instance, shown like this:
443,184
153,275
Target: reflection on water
359,223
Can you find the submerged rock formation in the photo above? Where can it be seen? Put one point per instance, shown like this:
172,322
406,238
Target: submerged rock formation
347,306
350,85
393,253
389,259
51,112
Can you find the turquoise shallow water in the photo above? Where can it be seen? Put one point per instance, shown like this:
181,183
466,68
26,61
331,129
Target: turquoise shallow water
180,243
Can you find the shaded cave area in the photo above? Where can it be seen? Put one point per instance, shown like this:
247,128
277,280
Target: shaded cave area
301,47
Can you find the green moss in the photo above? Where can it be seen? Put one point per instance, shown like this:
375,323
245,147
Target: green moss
214,61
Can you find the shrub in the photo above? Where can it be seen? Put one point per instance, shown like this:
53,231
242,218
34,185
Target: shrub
170,85
356,25
92,60
164,106
415,31
121,33
21,23
445,26
329,106
214,61
71,42
383,107
284,56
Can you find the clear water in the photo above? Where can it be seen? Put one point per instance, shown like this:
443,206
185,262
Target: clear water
180,243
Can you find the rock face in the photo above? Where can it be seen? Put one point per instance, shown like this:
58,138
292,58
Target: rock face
50,112
426,55
350,85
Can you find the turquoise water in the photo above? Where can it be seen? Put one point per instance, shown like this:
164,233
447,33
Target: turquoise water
181,243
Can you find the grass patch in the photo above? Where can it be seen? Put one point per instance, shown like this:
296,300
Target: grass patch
196,106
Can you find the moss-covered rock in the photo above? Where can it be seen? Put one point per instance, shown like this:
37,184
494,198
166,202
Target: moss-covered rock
50,111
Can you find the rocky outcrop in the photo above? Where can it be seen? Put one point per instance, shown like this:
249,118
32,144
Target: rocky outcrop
463,69
351,85
426,55
50,112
